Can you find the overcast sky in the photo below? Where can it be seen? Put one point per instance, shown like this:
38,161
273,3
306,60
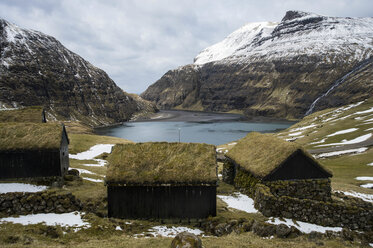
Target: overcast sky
137,41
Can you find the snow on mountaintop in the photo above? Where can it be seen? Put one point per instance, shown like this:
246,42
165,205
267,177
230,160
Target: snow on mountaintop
298,33
16,34
235,41
30,41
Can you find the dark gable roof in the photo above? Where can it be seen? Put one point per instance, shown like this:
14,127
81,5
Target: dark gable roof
28,114
31,136
162,162
262,154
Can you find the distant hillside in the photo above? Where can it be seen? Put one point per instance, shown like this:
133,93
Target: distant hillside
36,69
335,129
306,62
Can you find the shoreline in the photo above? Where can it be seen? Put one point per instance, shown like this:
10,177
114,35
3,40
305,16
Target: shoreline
206,117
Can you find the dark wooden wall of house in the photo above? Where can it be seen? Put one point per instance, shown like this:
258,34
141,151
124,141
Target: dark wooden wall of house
297,166
23,164
161,202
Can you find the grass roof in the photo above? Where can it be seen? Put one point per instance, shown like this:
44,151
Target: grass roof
30,136
260,154
162,162
28,114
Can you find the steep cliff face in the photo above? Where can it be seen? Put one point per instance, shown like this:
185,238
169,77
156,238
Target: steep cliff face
276,69
36,69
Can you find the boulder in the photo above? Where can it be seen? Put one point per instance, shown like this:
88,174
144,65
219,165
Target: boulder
263,229
73,172
186,240
282,231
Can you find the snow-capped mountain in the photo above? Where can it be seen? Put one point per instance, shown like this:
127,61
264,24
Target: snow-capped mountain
235,42
276,69
297,33
36,69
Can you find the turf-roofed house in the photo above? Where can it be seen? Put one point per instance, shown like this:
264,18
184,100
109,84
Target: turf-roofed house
34,114
33,150
285,167
162,181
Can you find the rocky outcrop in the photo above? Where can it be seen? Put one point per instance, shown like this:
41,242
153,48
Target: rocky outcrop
36,69
276,69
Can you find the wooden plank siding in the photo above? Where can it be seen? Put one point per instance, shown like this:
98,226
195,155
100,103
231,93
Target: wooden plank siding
161,202
25,164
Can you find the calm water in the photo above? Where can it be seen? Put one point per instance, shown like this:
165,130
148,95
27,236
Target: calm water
216,133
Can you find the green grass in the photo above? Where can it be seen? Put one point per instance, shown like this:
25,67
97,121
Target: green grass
105,235
346,168
324,127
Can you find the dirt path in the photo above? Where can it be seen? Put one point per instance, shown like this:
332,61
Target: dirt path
366,143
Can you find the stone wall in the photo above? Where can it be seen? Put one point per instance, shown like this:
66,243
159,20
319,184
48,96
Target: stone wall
228,172
330,213
315,189
40,202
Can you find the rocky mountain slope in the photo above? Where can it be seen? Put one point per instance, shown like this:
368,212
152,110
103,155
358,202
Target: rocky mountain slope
36,69
307,62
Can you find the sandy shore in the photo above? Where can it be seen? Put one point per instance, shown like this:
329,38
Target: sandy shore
205,117
192,116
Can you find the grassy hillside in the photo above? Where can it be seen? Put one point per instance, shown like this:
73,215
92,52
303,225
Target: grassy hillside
320,128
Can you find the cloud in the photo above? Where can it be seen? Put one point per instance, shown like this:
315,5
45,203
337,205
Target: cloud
136,42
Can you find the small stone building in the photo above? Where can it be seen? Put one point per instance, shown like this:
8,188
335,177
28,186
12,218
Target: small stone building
33,150
285,167
34,114
162,181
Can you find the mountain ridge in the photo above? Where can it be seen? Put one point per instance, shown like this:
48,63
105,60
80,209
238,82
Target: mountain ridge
36,69
275,70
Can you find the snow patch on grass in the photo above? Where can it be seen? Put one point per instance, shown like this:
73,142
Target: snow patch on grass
367,185
85,171
349,142
365,111
302,128
170,232
304,227
350,130
364,178
93,152
100,163
364,197
73,219
294,138
337,153
20,187
239,201
93,180
295,134
318,142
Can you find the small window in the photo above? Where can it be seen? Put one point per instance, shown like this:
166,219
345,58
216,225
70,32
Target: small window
63,154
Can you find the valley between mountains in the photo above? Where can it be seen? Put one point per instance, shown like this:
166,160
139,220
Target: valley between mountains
314,70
